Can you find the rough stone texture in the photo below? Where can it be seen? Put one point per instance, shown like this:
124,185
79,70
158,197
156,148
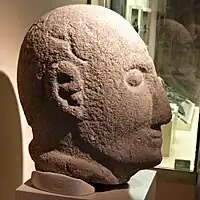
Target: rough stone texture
90,93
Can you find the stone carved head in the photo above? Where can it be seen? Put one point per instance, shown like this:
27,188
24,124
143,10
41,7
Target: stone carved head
90,92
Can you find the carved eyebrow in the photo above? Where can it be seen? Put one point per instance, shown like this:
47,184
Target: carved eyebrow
145,67
140,61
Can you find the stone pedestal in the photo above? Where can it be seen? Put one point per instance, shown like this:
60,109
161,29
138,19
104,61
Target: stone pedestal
142,186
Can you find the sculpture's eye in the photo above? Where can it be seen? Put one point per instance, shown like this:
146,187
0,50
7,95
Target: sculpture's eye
134,78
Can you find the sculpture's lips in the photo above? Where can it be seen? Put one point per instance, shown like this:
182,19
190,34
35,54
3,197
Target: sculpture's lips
156,138
157,135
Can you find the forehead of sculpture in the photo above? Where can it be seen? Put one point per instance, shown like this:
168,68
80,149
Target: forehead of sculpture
88,32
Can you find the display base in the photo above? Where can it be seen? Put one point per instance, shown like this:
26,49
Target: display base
142,186
60,184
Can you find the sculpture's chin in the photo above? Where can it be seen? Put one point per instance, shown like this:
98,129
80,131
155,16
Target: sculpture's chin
157,161
156,158
158,155
152,158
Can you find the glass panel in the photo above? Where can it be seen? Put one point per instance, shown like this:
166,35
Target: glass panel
171,30
176,61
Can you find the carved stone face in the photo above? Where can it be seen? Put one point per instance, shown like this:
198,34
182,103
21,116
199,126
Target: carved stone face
91,95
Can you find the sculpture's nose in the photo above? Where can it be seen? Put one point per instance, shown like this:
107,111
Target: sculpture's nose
161,108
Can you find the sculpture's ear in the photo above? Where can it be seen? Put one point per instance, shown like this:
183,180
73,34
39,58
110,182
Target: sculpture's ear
63,85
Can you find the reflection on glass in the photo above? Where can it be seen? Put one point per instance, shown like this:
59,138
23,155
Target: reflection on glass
176,58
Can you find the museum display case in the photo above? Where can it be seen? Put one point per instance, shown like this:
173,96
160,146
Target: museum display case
170,29
177,62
